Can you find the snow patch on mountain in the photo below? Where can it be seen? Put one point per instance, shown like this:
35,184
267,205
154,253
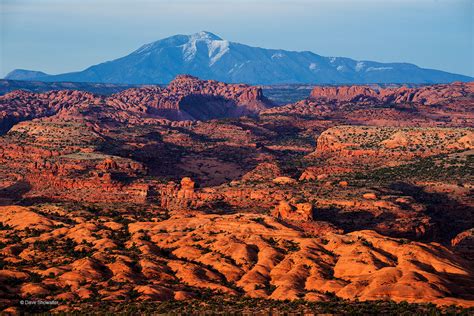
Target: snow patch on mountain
378,68
217,49
277,56
359,66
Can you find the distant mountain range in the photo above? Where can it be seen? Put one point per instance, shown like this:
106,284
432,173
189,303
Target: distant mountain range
208,56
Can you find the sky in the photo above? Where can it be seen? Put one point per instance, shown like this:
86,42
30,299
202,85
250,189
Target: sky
57,36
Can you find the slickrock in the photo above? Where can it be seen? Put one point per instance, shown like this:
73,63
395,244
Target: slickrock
284,180
369,196
308,175
22,218
109,199
249,254
298,212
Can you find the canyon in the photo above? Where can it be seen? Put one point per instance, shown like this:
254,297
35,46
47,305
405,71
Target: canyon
166,193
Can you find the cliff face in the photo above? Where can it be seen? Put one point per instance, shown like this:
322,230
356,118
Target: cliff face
427,95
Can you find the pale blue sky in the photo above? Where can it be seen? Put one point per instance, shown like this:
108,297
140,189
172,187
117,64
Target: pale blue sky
57,36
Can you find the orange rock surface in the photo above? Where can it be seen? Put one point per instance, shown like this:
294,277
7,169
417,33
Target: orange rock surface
166,193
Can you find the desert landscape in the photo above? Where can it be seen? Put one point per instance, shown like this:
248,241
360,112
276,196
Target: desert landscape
207,196
235,157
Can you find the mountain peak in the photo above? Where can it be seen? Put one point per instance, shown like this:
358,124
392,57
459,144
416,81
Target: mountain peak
178,40
205,35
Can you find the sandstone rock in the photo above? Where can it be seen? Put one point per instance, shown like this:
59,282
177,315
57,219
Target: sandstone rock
186,191
344,93
299,212
31,289
12,310
284,180
156,293
22,218
308,175
187,184
464,243
84,293
188,98
6,275
369,196
353,148
68,296
283,210
183,295
423,95
263,172
305,210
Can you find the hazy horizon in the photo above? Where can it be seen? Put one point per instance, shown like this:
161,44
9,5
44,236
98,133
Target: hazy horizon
63,36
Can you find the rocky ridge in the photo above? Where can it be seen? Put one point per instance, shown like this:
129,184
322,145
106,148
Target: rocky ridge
186,98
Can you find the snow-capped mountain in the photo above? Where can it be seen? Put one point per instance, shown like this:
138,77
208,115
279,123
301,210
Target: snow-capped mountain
208,56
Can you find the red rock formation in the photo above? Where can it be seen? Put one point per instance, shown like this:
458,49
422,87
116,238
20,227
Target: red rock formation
424,95
308,175
163,239
343,93
187,97
447,105
263,172
464,243
20,105
352,147
299,212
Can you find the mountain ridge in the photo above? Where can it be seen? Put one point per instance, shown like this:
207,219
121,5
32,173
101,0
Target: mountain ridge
208,56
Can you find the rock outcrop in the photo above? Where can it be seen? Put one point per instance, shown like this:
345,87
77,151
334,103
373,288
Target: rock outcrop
464,243
189,98
187,253
297,212
351,148
186,98
424,95
115,212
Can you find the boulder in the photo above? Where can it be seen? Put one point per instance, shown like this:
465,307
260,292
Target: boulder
369,196
284,180
308,175
299,212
